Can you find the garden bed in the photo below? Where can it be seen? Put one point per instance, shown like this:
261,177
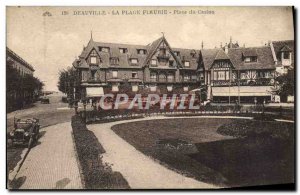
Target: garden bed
96,173
254,153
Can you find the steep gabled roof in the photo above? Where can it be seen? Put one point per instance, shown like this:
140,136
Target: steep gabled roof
124,58
154,46
236,56
208,57
264,58
285,45
221,55
286,48
185,55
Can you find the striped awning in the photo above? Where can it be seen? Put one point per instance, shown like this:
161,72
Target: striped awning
242,91
94,91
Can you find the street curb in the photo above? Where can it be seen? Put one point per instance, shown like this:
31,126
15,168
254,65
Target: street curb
78,162
283,120
12,175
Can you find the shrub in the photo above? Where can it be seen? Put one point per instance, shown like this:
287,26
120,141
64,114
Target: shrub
97,175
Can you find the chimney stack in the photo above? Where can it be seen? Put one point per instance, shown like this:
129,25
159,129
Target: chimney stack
226,48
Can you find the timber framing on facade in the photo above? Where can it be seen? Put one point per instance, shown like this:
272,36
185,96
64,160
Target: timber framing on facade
230,71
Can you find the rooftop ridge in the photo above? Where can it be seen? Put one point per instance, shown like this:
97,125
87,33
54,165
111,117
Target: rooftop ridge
20,58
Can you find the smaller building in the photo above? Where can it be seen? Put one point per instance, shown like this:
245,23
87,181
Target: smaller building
283,54
18,63
235,73
19,88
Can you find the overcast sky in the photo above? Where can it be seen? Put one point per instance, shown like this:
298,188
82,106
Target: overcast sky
51,43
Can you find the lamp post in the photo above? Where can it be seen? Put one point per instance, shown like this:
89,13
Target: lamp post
239,97
84,110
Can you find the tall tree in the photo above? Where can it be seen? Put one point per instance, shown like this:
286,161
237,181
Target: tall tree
284,84
68,80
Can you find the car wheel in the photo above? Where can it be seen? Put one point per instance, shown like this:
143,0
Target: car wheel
30,143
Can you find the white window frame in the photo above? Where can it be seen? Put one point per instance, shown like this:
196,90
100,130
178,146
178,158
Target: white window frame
186,78
243,75
93,60
153,76
170,78
123,50
153,88
247,59
187,64
134,60
221,75
115,87
227,75
153,62
135,88
114,74
105,49
141,51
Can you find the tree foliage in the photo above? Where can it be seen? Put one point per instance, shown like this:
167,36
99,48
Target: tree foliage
68,80
285,84
20,88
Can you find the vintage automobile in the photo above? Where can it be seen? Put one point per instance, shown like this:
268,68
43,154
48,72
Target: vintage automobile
45,100
26,131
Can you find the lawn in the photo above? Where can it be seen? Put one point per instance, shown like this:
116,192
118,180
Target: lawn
224,152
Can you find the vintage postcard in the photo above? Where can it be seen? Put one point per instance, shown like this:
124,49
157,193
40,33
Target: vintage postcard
150,98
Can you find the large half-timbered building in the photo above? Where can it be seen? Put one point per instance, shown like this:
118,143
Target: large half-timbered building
228,73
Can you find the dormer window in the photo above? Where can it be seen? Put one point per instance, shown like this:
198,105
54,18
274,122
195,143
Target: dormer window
104,49
114,61
134,61
177,53
286,55
93,57
153,62
186,64
141,51
250,59
123,50
93,60
134,75
193,53
286,58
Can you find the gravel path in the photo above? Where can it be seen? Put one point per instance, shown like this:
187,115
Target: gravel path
140,171
52,163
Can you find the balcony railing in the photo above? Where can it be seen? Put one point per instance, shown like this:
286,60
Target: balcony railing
92,80
245,82
163,57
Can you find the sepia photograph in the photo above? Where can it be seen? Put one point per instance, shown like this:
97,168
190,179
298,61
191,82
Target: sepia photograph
150,98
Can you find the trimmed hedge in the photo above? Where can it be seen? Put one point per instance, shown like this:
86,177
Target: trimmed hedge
96,173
